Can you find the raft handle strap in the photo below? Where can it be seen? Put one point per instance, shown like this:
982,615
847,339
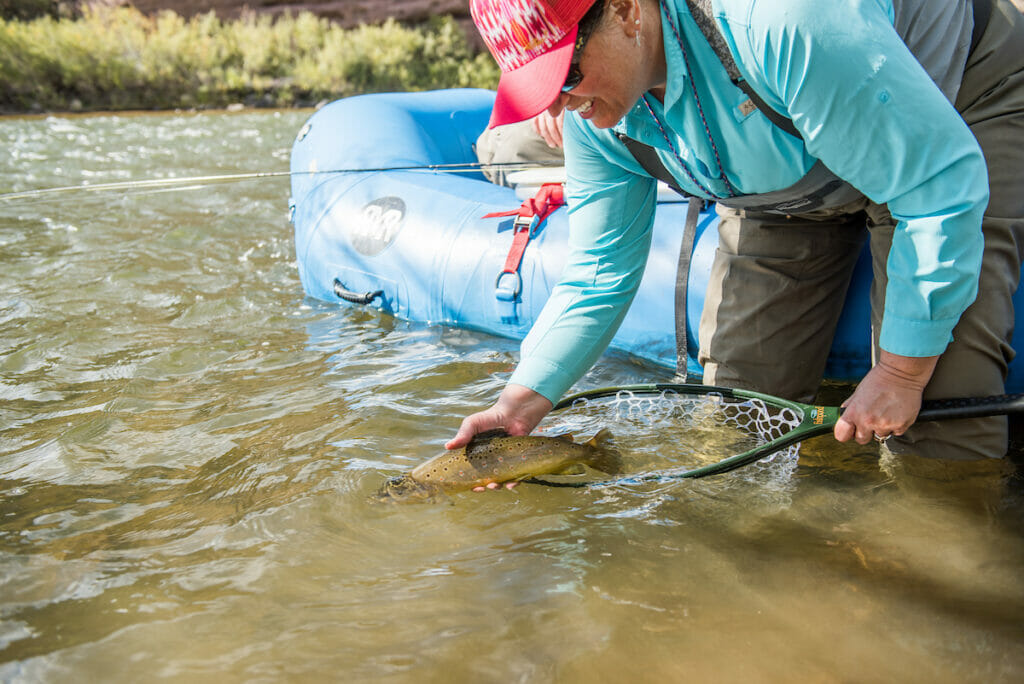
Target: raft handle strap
355,297
528,219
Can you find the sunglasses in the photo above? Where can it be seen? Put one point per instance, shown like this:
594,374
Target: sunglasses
585,29
573,78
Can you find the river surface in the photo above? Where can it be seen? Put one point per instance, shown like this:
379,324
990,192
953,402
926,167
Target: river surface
188,446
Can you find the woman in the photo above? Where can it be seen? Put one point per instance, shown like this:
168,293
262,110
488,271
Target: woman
907,124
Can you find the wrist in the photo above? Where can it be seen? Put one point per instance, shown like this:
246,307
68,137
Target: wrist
912,372
522,407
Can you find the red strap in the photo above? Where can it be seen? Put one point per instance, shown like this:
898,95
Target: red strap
529,215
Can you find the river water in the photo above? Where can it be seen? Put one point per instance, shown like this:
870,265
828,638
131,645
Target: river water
188,446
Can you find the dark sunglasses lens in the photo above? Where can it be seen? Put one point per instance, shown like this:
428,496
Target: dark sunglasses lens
573,78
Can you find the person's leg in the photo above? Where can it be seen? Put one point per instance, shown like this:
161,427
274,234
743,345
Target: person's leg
774,297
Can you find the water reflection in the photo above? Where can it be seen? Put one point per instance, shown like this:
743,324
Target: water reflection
187,446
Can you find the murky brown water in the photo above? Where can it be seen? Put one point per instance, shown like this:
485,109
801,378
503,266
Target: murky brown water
187,445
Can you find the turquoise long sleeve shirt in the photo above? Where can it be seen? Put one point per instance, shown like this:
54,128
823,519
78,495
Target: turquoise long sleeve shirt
863,104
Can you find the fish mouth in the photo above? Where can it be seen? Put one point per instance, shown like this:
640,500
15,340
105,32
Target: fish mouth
404,489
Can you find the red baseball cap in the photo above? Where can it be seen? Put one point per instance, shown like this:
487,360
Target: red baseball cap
532,41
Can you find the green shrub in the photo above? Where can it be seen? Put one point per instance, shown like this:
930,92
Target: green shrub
118,58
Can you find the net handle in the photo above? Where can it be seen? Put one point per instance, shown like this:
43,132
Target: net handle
816,420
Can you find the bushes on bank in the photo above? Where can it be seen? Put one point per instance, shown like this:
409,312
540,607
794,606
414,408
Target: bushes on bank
118,58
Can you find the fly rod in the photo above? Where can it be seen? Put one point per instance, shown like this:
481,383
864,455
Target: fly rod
467,167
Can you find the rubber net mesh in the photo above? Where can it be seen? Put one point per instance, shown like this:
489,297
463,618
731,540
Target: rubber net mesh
673,432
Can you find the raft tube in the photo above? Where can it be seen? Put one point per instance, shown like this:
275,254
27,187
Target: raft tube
371,232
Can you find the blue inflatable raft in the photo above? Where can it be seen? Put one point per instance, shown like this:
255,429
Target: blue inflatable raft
374,227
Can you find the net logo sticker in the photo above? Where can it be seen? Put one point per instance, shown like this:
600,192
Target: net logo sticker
819,415
377,225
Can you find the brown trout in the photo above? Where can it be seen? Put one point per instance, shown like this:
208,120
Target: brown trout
495,456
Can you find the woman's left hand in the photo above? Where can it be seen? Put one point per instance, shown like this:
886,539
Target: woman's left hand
887,400
549,128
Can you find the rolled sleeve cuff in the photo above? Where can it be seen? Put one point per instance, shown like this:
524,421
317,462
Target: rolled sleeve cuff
907,337
544,377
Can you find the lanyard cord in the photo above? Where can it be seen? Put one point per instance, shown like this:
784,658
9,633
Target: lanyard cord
700,110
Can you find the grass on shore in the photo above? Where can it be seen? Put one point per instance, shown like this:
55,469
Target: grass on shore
118,58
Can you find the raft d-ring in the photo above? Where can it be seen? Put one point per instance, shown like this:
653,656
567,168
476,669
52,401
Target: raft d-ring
505,293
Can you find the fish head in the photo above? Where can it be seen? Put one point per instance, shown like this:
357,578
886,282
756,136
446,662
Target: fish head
404,489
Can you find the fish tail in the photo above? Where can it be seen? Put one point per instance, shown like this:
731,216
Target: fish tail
607,458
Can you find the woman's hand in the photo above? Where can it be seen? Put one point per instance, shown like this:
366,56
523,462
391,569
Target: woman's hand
887,400
517,411
550,128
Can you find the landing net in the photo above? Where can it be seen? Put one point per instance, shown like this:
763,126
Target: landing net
667,433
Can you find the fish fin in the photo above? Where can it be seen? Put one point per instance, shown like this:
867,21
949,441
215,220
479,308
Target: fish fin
607,458
567,437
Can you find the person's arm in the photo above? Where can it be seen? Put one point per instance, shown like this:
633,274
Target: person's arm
870,112
518,411
887,400
611,216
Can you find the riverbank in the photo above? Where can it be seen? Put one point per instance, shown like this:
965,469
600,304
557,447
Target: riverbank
120,58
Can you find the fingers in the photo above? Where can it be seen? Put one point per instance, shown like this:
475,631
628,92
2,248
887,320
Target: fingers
549,128
517,411
876,411
473,425
845,431
495,485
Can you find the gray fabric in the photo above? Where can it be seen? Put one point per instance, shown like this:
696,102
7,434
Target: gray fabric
517,142
939,35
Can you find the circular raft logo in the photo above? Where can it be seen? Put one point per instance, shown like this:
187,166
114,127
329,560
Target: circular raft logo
377,225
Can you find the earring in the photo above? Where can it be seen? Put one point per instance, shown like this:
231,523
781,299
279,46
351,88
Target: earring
636,36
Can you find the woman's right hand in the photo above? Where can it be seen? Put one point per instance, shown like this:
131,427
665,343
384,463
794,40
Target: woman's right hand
518,410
